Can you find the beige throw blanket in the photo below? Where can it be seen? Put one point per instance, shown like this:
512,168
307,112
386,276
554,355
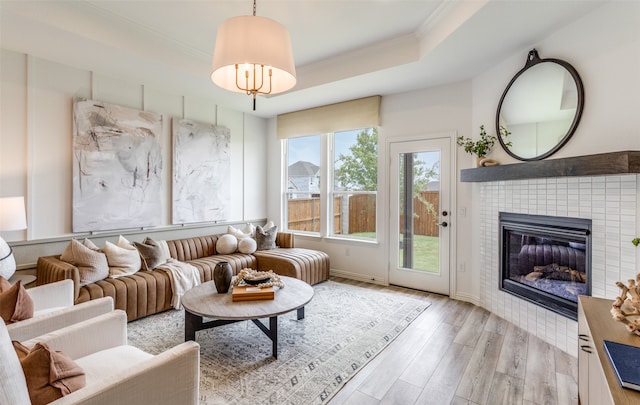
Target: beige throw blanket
183,277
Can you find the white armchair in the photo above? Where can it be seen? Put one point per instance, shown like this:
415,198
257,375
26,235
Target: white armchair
54,309
116,373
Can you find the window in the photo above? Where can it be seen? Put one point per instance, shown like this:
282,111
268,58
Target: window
355,182
350,175
302,196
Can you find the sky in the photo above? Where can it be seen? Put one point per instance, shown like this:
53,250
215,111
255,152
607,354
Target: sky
308,149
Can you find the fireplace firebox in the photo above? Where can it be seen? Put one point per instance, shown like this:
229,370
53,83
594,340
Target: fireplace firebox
546,260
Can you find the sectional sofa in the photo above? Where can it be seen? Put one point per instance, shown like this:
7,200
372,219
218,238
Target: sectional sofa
147,292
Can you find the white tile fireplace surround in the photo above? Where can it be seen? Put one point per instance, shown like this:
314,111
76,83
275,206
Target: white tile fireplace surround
611,202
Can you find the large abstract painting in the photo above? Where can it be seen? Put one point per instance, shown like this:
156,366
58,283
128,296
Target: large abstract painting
201,172
117,171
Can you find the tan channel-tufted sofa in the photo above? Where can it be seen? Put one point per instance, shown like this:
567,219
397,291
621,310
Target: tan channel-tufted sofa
149,292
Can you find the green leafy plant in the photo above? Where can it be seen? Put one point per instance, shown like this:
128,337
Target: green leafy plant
483,145
636,241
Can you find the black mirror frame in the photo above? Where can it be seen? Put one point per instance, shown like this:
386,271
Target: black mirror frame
532,60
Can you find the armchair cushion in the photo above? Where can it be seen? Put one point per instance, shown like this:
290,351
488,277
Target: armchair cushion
52,296
50,375
48,321
15,304
120,374
13,385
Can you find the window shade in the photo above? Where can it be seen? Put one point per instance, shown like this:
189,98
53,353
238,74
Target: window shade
354,114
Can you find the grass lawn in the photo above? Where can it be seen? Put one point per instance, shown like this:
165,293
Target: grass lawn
425,251
426,255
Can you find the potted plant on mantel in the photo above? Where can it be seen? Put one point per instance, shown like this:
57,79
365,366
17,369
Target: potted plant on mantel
483,146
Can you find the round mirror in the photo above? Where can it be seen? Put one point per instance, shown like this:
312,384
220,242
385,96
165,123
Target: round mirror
540,108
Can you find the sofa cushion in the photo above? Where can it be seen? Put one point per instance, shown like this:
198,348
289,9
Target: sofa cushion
50,374
249,229
153,253
123,258
227,244
247,245
15,303
92,265
240,234
266,238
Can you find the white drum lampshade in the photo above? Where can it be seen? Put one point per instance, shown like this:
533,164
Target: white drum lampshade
12,218
253,55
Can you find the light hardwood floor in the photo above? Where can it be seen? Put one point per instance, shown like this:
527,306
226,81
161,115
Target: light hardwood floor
458,353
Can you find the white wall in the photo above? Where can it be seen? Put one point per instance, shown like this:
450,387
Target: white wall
607,58
36,143
604,47
420,114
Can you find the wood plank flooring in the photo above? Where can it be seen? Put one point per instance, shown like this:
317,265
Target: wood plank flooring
458,353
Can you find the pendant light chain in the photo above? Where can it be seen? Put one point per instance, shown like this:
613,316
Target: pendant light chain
254,8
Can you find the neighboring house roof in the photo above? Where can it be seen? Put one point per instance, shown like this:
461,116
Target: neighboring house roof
303,169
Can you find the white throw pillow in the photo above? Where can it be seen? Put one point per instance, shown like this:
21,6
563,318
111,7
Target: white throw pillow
226,244
87,243
250,230
247,245
237,233
123,258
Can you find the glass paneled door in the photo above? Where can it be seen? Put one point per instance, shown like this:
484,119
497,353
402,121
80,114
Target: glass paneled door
420,218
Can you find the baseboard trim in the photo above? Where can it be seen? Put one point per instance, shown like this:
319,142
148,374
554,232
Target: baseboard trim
358,277
467,298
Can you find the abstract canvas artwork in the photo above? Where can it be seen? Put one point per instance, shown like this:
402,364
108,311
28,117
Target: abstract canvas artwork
201,172
117,168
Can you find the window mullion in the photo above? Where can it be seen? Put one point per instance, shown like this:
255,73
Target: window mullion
326,151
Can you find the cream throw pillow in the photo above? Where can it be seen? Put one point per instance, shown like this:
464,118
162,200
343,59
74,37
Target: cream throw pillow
123,258
91,264
226,244
249,229
247,246
238,233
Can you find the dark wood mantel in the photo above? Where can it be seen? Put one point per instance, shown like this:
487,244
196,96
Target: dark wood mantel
612,163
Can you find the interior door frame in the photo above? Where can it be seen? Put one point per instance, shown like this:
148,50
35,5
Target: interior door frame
453,209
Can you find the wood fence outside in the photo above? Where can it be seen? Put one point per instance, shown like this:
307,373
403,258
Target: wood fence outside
304,214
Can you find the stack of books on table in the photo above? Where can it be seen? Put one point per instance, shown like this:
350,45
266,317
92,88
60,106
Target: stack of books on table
251,293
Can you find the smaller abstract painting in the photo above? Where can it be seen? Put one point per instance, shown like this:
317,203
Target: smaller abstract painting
201,172
117,170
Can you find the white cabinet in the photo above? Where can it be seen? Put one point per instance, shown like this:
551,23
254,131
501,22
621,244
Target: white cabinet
597,383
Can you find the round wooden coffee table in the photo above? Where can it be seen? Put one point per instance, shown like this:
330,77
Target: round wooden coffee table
204,302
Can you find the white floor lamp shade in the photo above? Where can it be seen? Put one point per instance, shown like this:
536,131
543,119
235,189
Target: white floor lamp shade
12,218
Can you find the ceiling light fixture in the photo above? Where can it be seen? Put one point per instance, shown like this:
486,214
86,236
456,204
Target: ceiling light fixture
253,56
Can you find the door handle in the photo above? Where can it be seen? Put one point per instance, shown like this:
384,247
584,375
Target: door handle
443,224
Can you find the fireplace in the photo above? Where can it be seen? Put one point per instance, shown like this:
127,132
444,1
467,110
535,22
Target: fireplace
546,260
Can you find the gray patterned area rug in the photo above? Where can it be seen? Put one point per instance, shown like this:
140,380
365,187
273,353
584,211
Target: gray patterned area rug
345,326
